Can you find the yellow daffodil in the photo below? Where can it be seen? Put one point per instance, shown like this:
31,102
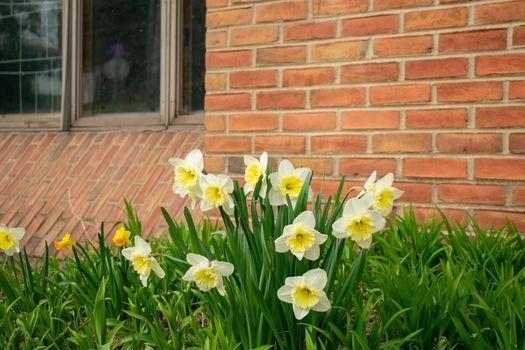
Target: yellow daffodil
305,293
121,237
187,174
10,239
207,274
255,170
301,238
142,263
384,193
66,242
216,191
287,181
358,221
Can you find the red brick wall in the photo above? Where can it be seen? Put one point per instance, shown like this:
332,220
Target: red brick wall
431,90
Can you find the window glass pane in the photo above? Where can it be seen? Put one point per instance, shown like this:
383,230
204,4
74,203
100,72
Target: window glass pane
121,56
30,56
193,49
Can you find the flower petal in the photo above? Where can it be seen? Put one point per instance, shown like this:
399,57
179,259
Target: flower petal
194,158
323,305
316,278
285,168
128,252
223,268
188,276
365,243
370,181
142,246
299,312
313,253
285,294
196,259
144,280
307,218
157,269
280,244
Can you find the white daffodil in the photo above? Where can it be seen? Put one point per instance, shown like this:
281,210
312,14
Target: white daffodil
287,181
305,293
206,274
358,221
301,238
216,191
10,239
187,174
255,170
384,193
142,263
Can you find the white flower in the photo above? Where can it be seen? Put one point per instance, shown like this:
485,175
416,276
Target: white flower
216,191
358,221
305,293
255,170
187,174
206,274
384,193
10,239
287,181
301,238
142,263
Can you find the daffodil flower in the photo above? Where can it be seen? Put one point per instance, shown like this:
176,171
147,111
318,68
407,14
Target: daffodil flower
305,293
206,274
358,221
142,263
65,242
187,174
216,191
10,239
384,193
287,181
301,238
121,237
255,170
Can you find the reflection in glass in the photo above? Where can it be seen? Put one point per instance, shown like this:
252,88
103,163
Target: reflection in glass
120,56
30,56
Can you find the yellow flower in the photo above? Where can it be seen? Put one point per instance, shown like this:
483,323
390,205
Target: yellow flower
206,274
10,239
216,191
255,170
142,262
384,193
121,237
65,242
187,174
287,181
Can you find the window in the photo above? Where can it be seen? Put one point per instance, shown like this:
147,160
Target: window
101,63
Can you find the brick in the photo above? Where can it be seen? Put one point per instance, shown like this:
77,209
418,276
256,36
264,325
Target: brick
214,123
227,101
253,35
503,169
338,97
500,117
469,143
454,216
280,55
415,192
225,59
386,24
473,194
336,7
214,164
518,194
254,78
227,144
494,219
285,99
435,19
320,166
436,68
309,121
399,94
367,119
365,166
500,12
517,143
517,90
226,18
308,76
281,11
392,4
309,30
215,39
476,40
403,46
253,122
338,51
369,72
216,3
435,168
518,37
215,81
470,91
401,143
500,64
280,144
338,144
